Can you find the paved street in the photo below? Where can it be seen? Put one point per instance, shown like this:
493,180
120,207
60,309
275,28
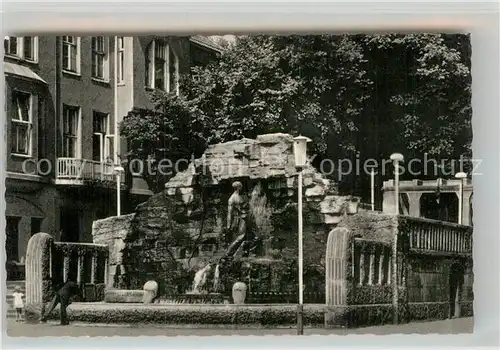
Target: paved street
462,325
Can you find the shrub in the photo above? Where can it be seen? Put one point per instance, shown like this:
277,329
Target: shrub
262,315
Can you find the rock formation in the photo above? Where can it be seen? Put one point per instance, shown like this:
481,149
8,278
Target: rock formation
179,231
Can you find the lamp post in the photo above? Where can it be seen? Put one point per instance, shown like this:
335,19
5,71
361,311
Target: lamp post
372,187
300,153
118,171
461,176
396,158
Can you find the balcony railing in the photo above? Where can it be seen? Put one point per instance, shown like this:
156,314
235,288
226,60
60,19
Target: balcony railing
437,236
74,171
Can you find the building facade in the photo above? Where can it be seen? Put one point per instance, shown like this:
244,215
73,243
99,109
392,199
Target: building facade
65,97
438,200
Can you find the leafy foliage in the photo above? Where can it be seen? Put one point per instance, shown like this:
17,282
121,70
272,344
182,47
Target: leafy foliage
363,96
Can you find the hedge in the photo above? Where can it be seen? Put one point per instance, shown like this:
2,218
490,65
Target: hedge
428,311
260,315
360,315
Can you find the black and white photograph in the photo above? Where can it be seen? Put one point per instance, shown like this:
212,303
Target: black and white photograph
259,184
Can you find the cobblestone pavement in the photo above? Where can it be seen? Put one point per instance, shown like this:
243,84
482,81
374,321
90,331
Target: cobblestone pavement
462,325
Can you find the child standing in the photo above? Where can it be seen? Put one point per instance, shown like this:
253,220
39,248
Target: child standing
18,303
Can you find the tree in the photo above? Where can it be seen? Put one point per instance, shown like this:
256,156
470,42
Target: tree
421,103
356,96
162,137
309,84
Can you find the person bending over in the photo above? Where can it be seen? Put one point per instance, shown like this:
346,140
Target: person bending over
63,295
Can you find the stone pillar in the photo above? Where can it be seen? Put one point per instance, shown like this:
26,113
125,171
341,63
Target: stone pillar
371,271
389,270
381,267
93,270
467,208
388,203
338,251
80,271
38,283
108,279
414,203
66,268
361,267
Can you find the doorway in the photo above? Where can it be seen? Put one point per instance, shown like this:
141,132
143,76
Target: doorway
12,238
456,282
70,225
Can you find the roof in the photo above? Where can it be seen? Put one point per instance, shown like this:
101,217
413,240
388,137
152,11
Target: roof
21,71
206,42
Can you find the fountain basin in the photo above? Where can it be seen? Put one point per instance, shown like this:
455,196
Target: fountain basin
194,298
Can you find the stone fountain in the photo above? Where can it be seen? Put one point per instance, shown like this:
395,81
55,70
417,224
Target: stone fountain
229,217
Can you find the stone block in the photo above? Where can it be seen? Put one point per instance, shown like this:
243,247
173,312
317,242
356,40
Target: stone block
316,191
308,181
331,219
333,205
291,181
274,138
123,296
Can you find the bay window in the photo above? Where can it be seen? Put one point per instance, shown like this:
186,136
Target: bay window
21,123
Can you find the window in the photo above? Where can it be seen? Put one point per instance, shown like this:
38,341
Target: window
71,54
162,67
70,130
21,123
100,59
10,45
29,48
25,47
121,59
102,142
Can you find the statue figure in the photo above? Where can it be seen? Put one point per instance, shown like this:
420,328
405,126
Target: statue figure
236,219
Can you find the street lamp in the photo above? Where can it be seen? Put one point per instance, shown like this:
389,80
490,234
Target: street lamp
372,187
461,176
396,158
300,153
118,172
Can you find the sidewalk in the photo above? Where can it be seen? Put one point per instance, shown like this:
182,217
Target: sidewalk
455,326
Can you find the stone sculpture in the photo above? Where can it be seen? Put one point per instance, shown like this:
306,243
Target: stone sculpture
239,292
150,292
237,226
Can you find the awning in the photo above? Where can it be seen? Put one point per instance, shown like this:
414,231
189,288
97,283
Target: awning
21,71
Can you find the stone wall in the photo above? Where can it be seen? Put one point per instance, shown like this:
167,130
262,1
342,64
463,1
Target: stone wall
116,233
434,281
180,230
